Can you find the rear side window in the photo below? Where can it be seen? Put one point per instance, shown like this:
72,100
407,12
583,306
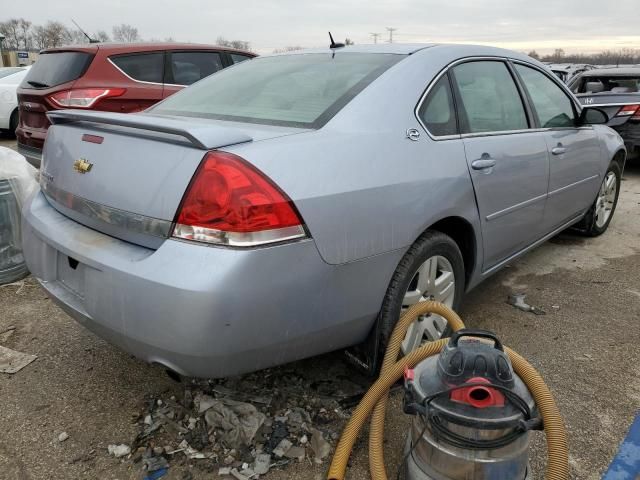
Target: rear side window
489,97
144,67
189,67
57,68
289,90
236,58
437,112
551,104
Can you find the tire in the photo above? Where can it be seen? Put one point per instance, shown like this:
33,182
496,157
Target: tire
13,122
431,245
597,219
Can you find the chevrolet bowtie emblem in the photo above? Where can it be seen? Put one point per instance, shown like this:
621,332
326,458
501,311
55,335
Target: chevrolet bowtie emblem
82,166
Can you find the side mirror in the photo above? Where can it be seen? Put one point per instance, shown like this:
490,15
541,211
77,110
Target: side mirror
593,116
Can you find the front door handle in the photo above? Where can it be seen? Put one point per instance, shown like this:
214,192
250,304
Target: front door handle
559,150
483,164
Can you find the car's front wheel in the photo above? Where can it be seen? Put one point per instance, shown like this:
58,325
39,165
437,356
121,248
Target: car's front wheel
597,219
432,269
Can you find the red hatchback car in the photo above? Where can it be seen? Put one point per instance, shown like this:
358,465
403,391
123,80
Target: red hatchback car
111,77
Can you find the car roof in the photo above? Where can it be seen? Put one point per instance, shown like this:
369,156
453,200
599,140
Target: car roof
141,47
397,48
620,71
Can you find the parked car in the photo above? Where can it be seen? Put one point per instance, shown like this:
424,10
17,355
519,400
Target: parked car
110,77
617,92
567,71
10,78
295,204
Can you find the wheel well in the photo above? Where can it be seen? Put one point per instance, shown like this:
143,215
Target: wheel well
462,233
620,157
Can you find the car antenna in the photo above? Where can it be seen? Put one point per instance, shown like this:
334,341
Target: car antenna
334,44
91,40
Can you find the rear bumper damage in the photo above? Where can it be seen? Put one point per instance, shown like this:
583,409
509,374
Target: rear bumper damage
200,310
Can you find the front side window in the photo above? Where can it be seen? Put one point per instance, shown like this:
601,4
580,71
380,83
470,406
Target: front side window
490,98
189,67
553,107
298,90
144,67
437,112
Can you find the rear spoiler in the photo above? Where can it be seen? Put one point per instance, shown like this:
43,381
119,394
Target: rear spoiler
206,137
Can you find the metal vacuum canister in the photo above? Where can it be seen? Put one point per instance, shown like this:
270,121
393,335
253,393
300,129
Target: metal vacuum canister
473,414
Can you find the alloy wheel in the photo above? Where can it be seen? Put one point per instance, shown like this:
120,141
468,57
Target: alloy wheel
606,199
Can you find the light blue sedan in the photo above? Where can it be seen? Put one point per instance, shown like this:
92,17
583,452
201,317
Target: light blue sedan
294,204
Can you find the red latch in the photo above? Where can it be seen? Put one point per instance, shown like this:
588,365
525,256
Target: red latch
409,374
478,395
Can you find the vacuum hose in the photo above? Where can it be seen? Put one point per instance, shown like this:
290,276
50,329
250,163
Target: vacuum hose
375,400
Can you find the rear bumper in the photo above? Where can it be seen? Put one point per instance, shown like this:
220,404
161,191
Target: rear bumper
32,154
199,310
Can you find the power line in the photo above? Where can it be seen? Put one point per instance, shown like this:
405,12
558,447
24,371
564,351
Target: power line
375,37
391,30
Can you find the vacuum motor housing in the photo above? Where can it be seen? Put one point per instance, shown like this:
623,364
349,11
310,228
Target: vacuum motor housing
472,413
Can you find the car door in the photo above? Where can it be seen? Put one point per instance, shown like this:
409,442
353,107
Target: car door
187,67
574,173
507,160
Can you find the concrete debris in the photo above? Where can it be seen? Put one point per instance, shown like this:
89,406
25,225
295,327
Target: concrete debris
517,300
12,361
321,448
282,448
118,451
63,436
246,427
262,463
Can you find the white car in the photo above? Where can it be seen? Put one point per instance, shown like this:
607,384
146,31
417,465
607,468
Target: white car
10,79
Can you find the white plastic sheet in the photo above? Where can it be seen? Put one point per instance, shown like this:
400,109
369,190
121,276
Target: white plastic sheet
22,176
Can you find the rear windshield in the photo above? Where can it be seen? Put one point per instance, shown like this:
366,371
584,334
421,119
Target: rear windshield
304,90
612,84
57,68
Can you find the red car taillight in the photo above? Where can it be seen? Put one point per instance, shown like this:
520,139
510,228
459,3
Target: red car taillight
629,111
83,97
229,202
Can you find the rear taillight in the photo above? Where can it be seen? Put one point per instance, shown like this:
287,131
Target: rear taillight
231,203
83,97
628,111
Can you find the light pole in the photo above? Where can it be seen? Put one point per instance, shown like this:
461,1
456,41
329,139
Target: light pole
1,58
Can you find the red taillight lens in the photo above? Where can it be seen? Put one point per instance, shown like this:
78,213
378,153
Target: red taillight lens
83,97
231,203
628,111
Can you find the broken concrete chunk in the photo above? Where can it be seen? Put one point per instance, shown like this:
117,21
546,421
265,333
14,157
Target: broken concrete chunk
224,471
119,450
296,453
262,463
517,300
238,475
12,361
282,448
321,448
63,436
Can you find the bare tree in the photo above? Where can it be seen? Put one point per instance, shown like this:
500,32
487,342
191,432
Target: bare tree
290,48
76,37
534,54
56,34
101,36
125,33
348,41
12,33
25,32
237,44
40,37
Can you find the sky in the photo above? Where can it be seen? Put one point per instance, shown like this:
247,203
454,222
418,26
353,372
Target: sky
574,25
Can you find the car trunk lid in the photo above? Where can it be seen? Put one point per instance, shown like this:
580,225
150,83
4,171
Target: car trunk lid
125,174
614,105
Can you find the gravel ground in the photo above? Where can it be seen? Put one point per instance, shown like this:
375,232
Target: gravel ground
585,347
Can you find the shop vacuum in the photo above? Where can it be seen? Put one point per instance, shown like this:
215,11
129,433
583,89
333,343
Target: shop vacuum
473,414
474,404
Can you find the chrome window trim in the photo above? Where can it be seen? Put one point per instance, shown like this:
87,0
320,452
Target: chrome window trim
610,104
505,60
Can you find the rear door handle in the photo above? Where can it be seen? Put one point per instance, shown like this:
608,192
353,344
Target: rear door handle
559,150
483,163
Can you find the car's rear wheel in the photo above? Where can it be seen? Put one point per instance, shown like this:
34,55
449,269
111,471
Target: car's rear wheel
13,122
599,216
432,269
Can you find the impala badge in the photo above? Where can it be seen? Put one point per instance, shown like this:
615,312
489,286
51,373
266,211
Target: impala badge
82,166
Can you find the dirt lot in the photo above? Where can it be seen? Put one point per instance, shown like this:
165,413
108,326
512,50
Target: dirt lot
586,347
